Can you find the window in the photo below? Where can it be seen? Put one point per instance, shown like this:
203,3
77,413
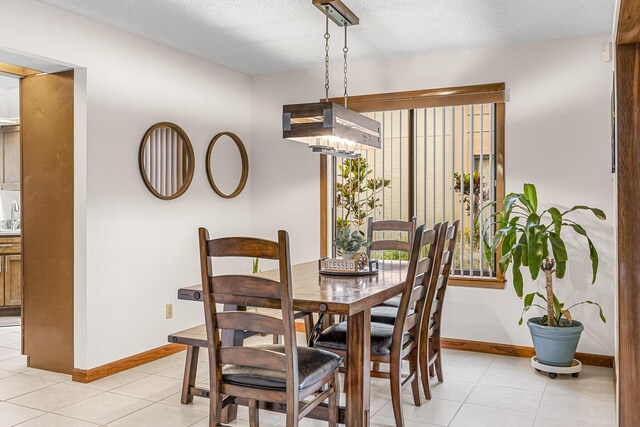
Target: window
441,160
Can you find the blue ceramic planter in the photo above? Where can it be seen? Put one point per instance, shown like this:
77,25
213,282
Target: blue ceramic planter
555,346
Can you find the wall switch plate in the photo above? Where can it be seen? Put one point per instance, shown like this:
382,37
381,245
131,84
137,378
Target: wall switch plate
168,310
606,52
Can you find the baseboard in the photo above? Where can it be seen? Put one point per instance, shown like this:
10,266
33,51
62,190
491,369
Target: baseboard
300,327
89,375
519,351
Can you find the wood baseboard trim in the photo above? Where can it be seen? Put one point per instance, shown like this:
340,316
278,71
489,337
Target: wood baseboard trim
519,351
300,327
89,375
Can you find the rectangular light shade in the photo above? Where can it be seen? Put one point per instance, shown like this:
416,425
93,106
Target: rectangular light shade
327,126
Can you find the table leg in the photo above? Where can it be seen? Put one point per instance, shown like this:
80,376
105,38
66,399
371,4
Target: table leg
358,369
189,379
231,338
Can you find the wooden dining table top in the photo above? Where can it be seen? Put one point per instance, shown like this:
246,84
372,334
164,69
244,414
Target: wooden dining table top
341,295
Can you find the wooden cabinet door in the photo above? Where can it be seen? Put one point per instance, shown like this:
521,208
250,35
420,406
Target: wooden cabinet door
13,280
11,158
1,281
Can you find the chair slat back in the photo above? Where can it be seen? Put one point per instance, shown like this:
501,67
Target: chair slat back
408,227
435,297
412,302
264,358
245,286
242,320
243,290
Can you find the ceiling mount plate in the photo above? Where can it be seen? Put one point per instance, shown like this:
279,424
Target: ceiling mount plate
337,12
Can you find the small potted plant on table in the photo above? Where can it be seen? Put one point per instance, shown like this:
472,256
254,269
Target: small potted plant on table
532,240
349,242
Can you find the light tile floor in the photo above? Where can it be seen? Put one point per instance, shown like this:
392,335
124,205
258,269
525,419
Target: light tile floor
479,390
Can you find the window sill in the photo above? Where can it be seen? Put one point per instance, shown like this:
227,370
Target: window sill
477,282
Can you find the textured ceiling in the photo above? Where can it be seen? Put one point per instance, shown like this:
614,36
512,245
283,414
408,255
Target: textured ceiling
265,36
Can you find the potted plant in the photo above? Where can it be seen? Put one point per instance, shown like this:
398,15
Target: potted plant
349,242
532,240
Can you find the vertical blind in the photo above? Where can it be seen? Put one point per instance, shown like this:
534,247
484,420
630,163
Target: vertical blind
165,160
437,164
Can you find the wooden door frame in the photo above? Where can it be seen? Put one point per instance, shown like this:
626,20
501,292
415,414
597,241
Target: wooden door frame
628,210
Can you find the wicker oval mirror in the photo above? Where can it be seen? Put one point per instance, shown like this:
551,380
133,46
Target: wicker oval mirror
230,164
166,160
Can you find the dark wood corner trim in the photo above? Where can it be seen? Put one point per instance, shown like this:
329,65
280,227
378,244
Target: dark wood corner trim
627,115
519,351
89,375
629,22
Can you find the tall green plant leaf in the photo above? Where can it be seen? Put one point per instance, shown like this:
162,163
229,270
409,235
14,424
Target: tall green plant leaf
531,195
528,301
534,245
561,268
599,213
558,247
593,253
556,217
601,313
517,275
524,249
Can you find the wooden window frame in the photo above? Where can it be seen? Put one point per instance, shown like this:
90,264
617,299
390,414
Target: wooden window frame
493,93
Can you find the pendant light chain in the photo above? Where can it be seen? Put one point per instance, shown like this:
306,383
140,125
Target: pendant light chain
326,58
345,50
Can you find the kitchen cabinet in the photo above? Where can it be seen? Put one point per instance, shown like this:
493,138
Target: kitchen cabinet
11,272
13,280
10,158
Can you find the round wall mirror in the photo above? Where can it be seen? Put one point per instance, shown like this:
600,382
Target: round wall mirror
227,165
166,160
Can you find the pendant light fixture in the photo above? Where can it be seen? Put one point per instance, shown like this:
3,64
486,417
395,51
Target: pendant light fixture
328,127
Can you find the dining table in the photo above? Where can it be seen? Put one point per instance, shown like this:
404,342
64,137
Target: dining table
349,296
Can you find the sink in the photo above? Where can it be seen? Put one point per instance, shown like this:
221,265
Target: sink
5,231
8,226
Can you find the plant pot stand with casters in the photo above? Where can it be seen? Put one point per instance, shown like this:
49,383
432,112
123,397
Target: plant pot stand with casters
553,371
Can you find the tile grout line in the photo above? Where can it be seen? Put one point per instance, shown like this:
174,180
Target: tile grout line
44,410
131,413
541,398
31,391
474,387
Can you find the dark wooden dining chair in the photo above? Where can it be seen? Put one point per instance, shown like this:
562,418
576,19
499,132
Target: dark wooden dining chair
284,374
430,349
408,227
391,344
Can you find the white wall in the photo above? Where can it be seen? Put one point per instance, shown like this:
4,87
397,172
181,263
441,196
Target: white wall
139,249
557,136
10,102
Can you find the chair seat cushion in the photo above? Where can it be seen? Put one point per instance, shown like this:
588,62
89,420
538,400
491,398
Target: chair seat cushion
393,302
385,314
335,338
313,365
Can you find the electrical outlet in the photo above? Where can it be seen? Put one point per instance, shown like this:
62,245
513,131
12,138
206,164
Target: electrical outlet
168,310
